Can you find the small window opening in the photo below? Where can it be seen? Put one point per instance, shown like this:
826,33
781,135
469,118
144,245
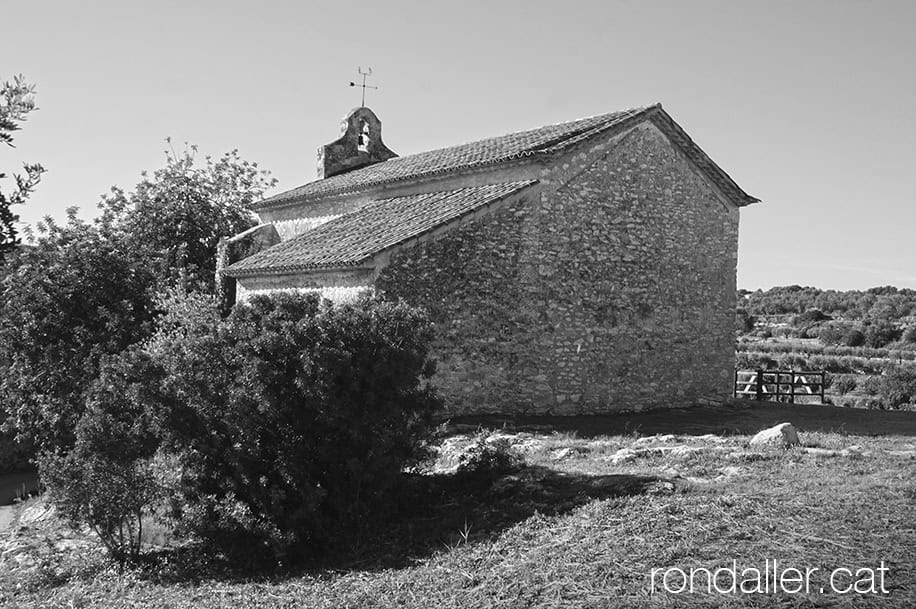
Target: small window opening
363,145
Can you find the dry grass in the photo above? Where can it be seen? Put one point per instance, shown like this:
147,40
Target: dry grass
574,529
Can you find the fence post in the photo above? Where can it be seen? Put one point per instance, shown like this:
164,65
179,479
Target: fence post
823,380
792,395
759,384
735,386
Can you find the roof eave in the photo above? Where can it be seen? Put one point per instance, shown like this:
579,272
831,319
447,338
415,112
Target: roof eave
367,187
297,269
703,162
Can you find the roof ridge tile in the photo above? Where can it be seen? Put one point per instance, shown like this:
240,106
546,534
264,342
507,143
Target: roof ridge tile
519,144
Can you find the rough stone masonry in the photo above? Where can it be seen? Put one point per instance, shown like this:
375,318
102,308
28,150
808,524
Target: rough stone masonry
607,284
614,290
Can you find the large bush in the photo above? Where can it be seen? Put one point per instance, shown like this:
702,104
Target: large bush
897,388
291,418
287,422
73,298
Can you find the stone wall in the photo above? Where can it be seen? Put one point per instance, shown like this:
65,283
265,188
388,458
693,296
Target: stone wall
336,286
612,289
235,248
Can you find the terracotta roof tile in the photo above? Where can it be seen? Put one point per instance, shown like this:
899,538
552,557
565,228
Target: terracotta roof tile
545,140
355,237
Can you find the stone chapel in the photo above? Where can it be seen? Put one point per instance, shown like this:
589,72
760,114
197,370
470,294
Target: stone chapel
577,268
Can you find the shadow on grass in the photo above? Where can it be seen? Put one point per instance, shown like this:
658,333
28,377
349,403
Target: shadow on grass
743,418
435,512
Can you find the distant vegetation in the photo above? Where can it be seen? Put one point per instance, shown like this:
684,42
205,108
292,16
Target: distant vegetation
866,339
885,302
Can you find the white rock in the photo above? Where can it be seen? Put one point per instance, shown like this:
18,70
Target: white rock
563,453
782,435
681,450
821,452
623,455
660,439
711,437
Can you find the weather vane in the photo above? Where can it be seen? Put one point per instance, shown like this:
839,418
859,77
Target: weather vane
364,85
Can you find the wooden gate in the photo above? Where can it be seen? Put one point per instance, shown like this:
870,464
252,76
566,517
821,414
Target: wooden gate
780,385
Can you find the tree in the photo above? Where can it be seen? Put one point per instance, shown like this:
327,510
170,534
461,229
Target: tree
897,388
744,321
75,297
810,316
16,101
909,335
853,337
176,217
881,333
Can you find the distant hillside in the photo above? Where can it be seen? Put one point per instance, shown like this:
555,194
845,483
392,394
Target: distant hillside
865,340
881,303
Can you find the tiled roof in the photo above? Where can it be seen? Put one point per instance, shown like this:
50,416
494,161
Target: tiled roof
544,140
355,237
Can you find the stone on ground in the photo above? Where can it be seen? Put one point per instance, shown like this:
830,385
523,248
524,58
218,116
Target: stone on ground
783,435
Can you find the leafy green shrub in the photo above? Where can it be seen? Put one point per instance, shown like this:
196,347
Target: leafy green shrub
106,479
489,457
897,388
66,303
291,420
176,214
792,362
909,335
848,335
843,383
285,424
111,496
754,361
871,385
744,321
881,333
810,316
853,337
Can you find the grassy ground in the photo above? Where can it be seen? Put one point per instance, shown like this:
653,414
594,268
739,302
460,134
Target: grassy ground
599,505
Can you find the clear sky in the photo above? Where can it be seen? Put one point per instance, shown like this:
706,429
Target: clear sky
808,105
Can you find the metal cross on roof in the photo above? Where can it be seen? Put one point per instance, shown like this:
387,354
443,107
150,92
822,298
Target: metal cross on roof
364,85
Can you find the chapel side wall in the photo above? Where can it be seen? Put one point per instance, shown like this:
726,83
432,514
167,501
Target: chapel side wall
645,289
612,291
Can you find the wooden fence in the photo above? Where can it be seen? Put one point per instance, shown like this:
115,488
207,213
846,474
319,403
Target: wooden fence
780,385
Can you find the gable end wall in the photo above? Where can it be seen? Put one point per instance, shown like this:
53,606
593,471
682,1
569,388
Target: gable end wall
612,290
